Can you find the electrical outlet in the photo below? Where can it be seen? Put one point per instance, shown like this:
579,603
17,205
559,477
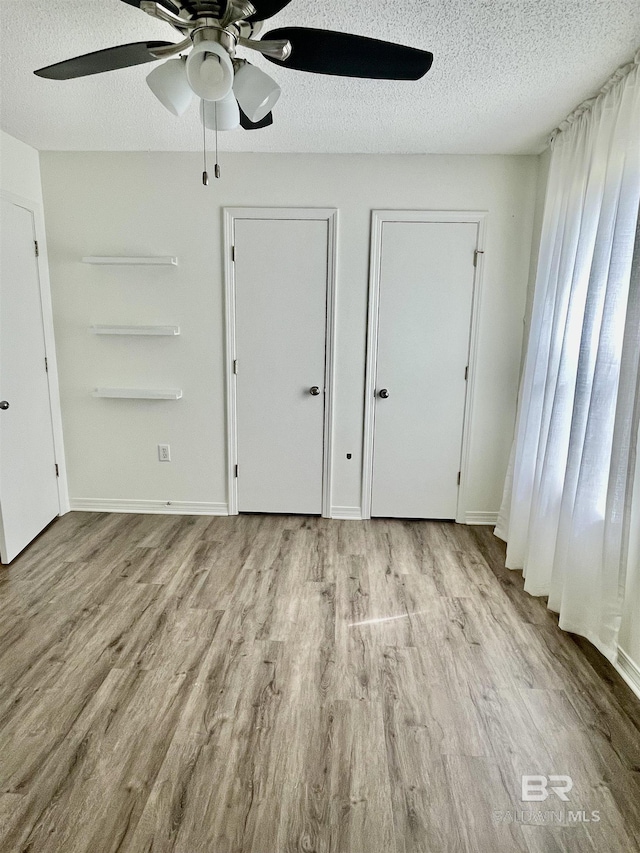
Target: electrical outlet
164,453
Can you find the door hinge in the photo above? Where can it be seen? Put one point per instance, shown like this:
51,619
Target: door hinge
46,364
236,471
475,256
459,476
35,244
233,254
466,373
235,366
57,470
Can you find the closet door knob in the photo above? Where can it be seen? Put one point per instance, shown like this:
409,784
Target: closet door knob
4,404
314,390
383,393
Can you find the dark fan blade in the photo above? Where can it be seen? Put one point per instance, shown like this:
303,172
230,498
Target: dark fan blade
166,3
109,59
267,9
327,52
254,125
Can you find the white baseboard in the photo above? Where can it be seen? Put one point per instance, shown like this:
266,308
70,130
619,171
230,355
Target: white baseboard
481,518
347,512
629,670
161,507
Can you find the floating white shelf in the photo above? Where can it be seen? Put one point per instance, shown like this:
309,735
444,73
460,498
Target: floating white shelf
160,260
134,330
139,393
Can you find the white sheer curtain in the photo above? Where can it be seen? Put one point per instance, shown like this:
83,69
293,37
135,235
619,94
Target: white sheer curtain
568,489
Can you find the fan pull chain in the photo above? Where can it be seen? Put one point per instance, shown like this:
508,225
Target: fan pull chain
205,174
216,170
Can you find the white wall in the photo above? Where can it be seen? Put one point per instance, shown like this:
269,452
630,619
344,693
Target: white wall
154,203
19,169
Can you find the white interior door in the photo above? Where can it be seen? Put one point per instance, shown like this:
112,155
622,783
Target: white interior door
28,487
281,277
425,301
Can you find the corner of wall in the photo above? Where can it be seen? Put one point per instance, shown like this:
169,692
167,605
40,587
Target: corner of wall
20,169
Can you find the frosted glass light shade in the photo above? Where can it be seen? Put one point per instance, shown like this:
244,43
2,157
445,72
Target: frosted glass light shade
228,113
169,84
209,71
256,92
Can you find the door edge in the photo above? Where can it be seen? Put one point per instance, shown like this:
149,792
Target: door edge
378,218
230,215
44,283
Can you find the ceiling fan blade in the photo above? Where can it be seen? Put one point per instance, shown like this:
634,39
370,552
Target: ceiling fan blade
122,56
267,9
247,124
166,3
346,55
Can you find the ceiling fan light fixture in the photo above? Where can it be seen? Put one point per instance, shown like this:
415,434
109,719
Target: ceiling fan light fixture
209,71
169,84
256,92
228,113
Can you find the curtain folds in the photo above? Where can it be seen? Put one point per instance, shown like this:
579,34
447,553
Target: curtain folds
568,489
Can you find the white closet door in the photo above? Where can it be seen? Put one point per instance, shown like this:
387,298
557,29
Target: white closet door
426,292
28,487
281,276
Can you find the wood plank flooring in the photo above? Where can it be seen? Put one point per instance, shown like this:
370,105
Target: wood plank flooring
266,684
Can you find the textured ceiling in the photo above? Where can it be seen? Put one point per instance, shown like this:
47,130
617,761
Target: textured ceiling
505,73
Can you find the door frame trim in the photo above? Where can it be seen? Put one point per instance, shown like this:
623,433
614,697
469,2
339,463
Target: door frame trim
378,218
44,284
330,216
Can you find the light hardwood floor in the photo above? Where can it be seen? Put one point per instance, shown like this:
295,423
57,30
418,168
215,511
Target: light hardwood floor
269,684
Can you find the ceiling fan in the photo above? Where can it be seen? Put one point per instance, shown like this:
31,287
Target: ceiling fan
232,91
